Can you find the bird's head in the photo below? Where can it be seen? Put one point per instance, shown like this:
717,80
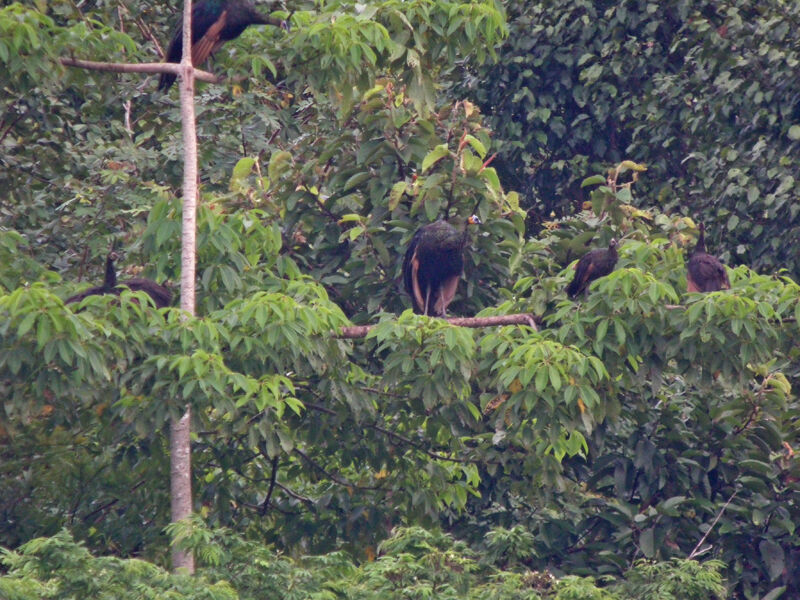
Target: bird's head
612,243
474,220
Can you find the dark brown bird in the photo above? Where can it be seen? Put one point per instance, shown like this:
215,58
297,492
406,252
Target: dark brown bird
705,272
214,22
160,294
433,264
592,265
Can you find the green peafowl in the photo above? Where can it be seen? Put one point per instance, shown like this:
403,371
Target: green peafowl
592,265
705,272
160,294
433,264
214,22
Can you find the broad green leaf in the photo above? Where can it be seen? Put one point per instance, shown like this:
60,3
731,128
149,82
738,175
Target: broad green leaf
435,155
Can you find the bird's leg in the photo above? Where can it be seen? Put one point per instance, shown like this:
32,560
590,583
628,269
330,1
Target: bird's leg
447,292
427,299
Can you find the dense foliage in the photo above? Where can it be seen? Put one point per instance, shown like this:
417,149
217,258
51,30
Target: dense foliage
412,563
638,426
704,93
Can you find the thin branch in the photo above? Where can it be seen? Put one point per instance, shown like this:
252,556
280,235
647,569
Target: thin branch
295,495
420,447
696,550
319,408
11,125
157,67
148,34
273,478
127,106
331,476
360,331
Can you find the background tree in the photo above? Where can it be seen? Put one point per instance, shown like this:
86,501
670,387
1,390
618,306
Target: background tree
702,93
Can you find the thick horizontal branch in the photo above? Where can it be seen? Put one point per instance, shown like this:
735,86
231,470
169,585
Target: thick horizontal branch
360,331
158,67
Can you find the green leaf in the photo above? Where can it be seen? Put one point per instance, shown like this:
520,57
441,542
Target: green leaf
593,180
541,378
279,163
476,145
30,318
647,542
492,180
794,132
435,155
555,378
602,328
243,168
396,194
355,232
355,180
773,557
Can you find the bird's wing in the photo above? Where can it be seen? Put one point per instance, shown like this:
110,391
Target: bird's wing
417,297
410,274
583,273
707,274
206,28
160,294
202,48
691,284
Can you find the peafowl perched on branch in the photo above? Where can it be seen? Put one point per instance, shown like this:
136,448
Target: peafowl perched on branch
214,22
433,265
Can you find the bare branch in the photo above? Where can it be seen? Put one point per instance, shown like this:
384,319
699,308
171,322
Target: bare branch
330,475
296,496
420,447
360,331
273,479
696,550
157,67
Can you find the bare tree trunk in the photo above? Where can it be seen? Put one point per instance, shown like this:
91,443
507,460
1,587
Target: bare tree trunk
180,429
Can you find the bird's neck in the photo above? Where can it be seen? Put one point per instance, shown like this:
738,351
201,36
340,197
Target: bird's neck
701,244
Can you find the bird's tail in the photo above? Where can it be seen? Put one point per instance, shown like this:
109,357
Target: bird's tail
165,81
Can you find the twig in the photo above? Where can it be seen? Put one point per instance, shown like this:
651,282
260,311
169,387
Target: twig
331,476
11,125
148,33
295,495
273,478
420,447
127,106
360,331
696,550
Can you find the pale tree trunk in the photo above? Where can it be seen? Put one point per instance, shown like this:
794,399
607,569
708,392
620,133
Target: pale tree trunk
180,429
